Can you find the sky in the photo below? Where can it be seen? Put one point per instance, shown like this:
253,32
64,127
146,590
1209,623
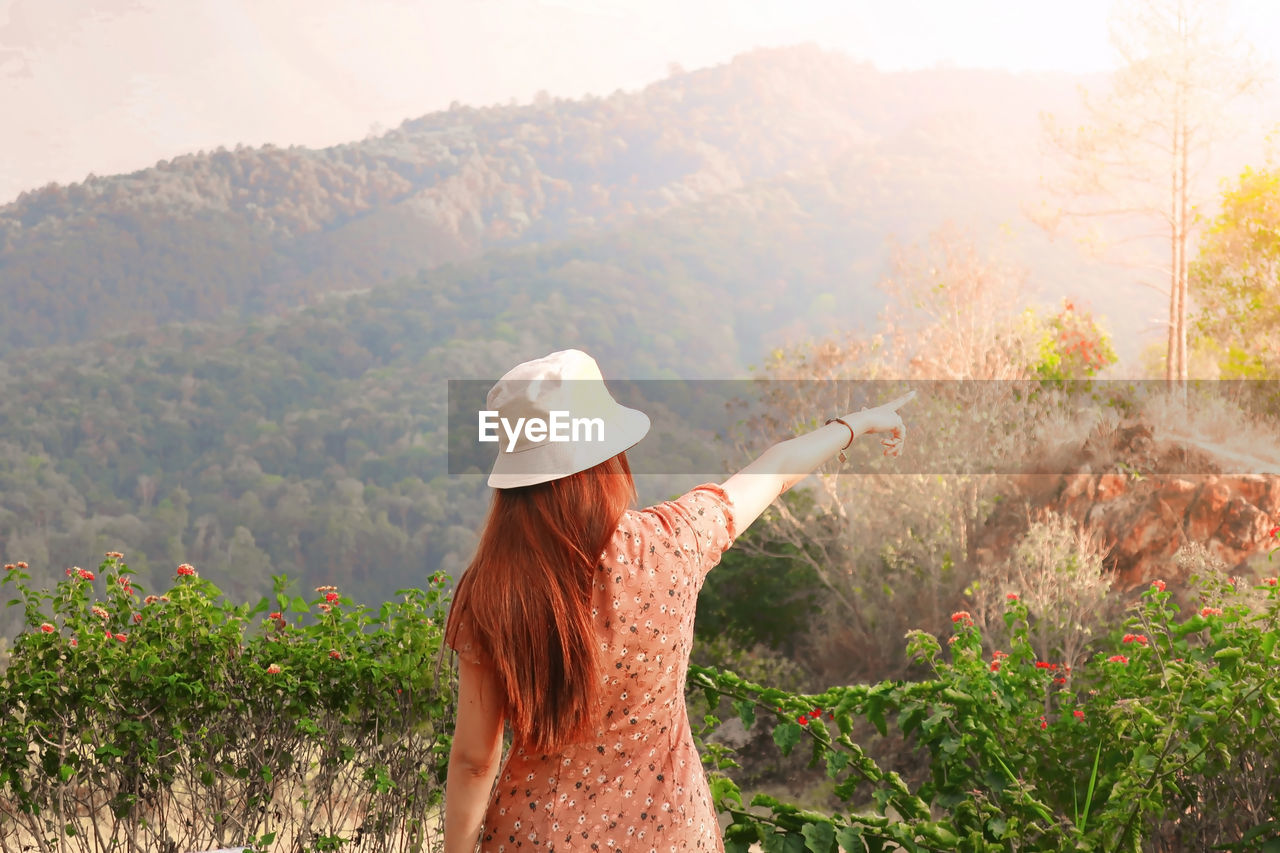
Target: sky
107,86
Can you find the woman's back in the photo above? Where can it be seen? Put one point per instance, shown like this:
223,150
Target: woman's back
638,784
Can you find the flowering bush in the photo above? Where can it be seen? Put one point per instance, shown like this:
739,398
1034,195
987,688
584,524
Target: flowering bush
1174,742
177,721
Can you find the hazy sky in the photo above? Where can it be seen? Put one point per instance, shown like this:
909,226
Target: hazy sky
113,85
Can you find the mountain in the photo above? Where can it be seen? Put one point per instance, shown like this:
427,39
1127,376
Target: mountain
251,232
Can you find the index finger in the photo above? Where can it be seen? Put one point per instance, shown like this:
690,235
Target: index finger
903,400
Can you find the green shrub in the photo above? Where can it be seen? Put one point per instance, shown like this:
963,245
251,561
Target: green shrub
1172,736
179,722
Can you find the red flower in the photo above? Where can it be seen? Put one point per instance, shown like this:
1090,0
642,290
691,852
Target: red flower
122,637
22,564
803,720
1269,581
1079,715
1013,596
816,713
8,567
1158,585
274,669
47,628
331,597
186,569
151,599
1060,680
962,616
1210,611
275,615
137,618
1275,531
85,576
995,666
1044,724
74,642
1117,659
335,654
1140,639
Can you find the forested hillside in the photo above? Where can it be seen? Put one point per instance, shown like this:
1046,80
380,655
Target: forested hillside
254,231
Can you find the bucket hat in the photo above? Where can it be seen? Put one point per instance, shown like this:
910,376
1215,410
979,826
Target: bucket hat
553,417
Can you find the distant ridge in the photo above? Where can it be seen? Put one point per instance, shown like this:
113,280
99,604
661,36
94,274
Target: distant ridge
252,231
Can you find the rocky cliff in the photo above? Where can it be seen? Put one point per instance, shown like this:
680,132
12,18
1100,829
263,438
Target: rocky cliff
1147,496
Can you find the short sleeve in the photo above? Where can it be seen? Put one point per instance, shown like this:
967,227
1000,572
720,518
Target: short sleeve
464,643
701,521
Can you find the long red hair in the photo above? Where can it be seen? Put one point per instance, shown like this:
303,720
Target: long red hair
526,598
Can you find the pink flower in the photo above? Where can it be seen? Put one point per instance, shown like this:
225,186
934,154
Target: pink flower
274,669
186,569
324,608
331,597
1158,586
1210,611
151,599
100,612
47,628
1117,659
8,567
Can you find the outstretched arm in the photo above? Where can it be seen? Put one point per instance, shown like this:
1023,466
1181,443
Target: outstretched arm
788,462
474,756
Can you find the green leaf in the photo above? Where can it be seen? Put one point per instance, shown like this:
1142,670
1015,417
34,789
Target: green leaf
819,837
783,843
786,735
746,712
850,839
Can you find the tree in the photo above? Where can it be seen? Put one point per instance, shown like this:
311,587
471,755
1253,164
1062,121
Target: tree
1139,160
1236,278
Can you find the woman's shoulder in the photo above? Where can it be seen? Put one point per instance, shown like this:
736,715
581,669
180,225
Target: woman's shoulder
701,519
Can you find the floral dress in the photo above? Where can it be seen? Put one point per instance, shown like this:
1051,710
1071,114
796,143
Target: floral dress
638,785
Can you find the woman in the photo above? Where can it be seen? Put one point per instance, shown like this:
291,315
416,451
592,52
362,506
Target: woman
574,621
